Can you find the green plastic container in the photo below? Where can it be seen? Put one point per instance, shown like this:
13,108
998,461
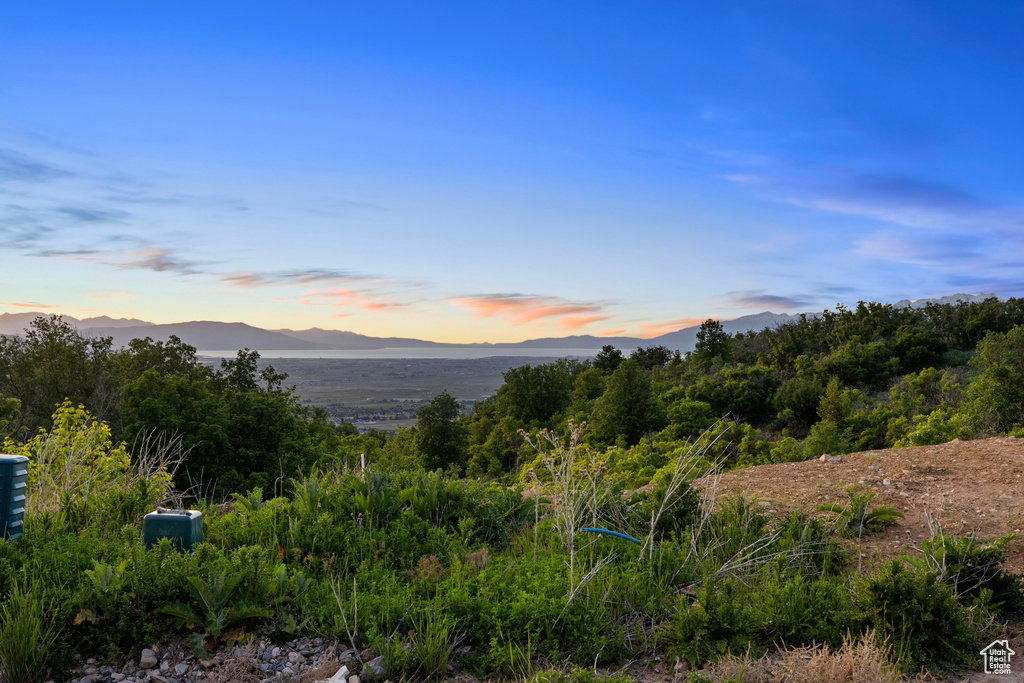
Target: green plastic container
183,527
13,482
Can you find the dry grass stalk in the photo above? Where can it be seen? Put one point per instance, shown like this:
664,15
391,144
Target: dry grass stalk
576,491
242,667
859,660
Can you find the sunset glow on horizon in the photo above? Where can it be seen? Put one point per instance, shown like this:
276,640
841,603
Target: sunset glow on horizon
506,171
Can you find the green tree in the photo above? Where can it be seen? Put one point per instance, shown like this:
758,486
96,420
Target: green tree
628,407
713,343
53,362
535,394
996,398
608,359
652,357
440,437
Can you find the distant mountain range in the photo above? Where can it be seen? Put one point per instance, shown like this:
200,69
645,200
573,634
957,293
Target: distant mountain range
218,336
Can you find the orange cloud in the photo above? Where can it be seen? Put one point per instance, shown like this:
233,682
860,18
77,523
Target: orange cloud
524,309
347,297
19,304
244,280
611,333
575,322
657,329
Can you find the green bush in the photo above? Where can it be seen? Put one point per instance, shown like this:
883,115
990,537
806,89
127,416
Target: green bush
968,567
720,620
919,617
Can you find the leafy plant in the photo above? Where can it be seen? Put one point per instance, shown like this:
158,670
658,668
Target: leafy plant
216,610
855,519
968,567
106,585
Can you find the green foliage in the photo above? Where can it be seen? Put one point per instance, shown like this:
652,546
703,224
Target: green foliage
535,394
52,363
28,635
688,418
741,391
855,519
919,617
216,609
431,641
720,620
628,407
713,343
608,359
441,438
996,398
969,567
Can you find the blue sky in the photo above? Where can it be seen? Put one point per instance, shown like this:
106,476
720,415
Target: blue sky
504,171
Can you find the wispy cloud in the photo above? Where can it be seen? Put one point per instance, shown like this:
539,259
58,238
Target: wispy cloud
575,322
523,308
758,297
83,215
249,279
924,249
142,256
22,304
346,297
17,166
159,259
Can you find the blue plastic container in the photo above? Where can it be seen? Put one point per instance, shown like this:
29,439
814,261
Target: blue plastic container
13,485
183,527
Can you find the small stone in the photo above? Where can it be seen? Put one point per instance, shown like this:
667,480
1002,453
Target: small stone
887,482
275,652
353,679
340,676
180,669
91,678
148,659
287,671
296,658
116,677
157,677
376,666
164,666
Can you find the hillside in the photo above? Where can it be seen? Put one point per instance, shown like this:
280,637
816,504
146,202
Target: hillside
966,485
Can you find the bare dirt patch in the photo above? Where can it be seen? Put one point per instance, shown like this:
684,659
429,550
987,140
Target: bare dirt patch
968,486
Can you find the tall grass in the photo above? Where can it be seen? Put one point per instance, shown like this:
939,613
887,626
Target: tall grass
27,635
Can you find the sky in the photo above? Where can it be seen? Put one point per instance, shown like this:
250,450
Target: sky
500,171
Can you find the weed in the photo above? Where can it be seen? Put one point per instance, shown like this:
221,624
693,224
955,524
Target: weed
216,609
27,635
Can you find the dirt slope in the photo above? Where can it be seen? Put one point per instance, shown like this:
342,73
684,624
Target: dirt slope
966,485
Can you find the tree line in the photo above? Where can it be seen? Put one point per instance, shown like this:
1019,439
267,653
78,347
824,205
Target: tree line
869,376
